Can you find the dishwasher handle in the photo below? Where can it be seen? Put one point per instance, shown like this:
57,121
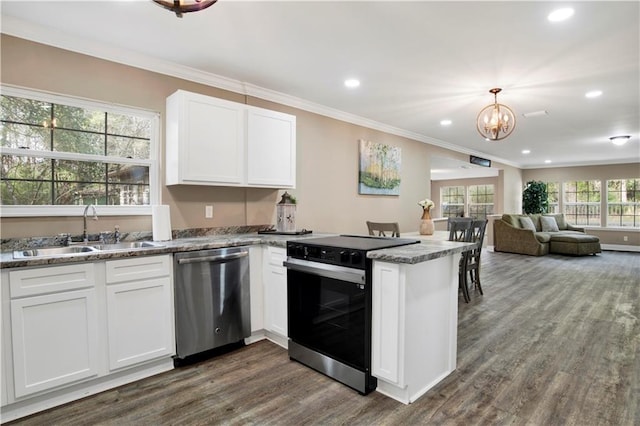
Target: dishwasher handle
217,258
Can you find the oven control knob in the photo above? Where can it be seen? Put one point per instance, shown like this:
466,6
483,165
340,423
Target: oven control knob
356,257
344,256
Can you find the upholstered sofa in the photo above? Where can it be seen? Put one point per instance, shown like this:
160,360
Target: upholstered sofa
537,235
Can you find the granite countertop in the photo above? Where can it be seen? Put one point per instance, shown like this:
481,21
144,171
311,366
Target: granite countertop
162,247
411,254
422,252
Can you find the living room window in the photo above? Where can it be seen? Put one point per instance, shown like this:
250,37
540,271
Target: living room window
623,202
553,197
453,200
480,201
582,202
59,152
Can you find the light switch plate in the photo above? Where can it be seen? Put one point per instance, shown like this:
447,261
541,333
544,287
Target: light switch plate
208,212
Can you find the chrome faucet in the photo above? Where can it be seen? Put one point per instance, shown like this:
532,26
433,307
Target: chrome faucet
85,236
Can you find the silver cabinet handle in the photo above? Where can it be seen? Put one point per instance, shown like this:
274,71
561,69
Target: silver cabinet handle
218,258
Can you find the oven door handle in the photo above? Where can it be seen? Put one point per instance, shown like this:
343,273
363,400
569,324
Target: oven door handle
341,273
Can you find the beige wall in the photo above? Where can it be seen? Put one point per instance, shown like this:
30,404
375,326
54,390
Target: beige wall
327,154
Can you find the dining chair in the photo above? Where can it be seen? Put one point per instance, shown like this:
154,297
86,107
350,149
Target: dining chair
381,228
460,230
478,229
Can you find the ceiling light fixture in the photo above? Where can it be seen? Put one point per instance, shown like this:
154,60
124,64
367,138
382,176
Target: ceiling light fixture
526,151
495,121
445,122
593,94
560,14
619,140
352,83
184,6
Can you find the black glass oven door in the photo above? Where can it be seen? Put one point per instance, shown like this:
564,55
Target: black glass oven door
329,316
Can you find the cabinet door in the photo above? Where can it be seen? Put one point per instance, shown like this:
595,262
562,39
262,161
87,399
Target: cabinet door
387,325
140,321
205,140
55,340
275,291
271,148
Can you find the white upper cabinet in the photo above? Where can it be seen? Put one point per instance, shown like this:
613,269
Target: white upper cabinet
271,148
212,141
205,140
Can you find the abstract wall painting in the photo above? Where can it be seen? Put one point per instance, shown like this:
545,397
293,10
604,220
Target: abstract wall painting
379,169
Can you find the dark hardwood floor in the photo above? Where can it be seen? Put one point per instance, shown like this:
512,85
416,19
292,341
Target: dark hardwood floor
555,340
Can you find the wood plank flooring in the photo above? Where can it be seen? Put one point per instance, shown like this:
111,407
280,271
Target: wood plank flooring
555,340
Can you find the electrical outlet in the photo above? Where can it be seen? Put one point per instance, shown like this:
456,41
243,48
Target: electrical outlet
208,212
625,238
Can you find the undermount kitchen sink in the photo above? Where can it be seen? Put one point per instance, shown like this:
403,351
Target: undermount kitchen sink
127,245
52,251
79,249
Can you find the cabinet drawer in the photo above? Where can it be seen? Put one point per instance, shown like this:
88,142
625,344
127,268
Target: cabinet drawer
139,268
276,255
31,282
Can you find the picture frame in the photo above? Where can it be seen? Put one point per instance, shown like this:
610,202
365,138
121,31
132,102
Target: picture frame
379,172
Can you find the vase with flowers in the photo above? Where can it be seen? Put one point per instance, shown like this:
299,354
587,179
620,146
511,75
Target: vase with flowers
426,223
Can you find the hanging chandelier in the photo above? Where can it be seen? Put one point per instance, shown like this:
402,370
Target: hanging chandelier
496,121
184,6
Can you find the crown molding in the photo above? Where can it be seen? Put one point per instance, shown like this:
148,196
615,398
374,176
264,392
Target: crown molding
36,33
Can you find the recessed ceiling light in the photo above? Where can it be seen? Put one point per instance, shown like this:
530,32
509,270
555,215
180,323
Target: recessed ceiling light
560,14
445,122
352,83
526,151
619,140
593,94
547,161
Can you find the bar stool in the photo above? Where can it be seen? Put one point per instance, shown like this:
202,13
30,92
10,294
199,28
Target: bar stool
460,230
478,229
381,227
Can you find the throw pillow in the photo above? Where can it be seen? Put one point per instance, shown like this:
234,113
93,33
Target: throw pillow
527,223
549,224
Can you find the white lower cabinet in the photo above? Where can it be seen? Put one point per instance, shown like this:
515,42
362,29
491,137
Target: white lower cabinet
54,336
414,325
73,330
139,311
275,290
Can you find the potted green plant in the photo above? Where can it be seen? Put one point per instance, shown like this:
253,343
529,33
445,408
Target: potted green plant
534,197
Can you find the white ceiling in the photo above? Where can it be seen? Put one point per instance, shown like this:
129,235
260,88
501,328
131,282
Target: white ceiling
418,62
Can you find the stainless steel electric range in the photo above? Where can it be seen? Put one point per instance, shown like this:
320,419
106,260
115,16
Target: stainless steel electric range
329,305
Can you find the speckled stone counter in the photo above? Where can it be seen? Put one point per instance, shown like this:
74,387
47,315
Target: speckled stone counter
173,246
417,253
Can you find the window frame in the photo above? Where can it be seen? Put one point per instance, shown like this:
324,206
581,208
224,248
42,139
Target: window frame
153,162
550,203
608,204
443,204
492,204
571,218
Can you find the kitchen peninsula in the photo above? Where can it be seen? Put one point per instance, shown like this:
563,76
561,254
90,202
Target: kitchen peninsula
414,318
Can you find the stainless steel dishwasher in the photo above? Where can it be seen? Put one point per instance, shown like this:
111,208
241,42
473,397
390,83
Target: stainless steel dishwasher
211,299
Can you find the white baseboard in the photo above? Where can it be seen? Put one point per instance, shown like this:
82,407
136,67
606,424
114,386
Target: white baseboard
620,247
609,247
